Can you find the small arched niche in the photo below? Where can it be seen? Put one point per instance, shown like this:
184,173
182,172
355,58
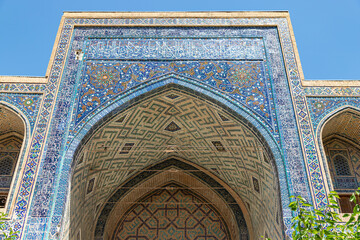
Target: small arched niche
341,138
12,130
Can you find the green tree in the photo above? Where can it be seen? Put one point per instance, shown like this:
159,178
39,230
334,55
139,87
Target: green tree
6,233
325,223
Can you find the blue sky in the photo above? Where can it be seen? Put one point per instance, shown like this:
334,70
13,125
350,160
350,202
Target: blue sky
327,32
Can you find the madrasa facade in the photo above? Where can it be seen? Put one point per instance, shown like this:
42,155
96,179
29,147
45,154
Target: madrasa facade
173,125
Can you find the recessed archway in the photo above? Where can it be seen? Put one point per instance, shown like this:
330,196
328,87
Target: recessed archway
340,138
175,123
12,132
176,175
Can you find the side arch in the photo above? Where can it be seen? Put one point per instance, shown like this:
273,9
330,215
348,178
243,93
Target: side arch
339,145
22,139
319,139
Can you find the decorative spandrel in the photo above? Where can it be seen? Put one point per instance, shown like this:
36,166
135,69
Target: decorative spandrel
244,81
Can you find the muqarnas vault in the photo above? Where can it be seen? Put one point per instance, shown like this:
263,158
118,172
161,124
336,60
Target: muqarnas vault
173,126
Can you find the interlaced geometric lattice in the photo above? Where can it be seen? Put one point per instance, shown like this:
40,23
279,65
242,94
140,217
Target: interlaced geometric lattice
6,166
172,213
341,166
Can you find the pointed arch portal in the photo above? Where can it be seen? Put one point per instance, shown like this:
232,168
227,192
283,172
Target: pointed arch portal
340,140
173,137
12,134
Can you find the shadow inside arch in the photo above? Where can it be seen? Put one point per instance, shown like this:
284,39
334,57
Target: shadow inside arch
199,174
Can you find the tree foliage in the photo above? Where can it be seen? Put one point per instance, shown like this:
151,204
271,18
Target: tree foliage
325,223
6,233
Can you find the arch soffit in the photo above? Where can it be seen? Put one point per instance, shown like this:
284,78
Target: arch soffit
329,117
20,114
14,135
240,113
336,137
198,181
332,115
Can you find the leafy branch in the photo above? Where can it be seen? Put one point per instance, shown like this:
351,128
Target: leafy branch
7,232
325,223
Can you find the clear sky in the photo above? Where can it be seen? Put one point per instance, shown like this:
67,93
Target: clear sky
327,32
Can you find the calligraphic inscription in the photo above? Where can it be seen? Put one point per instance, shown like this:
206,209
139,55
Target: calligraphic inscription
175,48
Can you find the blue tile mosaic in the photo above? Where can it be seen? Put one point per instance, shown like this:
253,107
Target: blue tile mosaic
274,101
244,81
26,104
321,107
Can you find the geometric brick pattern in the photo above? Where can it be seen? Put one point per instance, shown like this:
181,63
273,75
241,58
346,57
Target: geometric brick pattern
345,124
10,122
173,213
172,172
228,148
